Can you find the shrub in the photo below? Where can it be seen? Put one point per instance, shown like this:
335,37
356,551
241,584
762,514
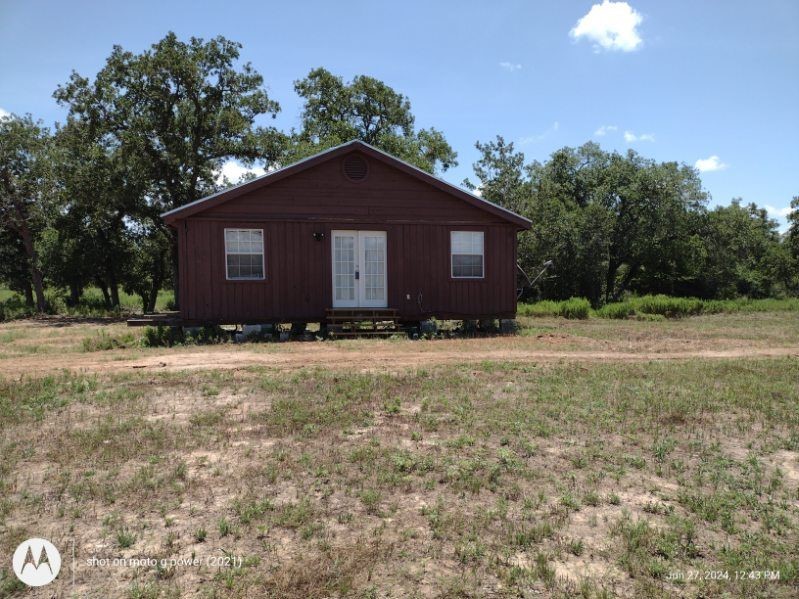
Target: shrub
575,308
167,336
14,307
657,307
162,336
542,308
670,307
616,310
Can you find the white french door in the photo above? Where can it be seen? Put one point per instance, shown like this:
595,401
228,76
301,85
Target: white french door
359,269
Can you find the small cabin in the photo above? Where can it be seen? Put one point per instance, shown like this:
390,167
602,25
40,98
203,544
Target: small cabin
349,229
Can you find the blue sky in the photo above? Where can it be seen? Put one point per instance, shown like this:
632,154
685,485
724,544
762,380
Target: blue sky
711,81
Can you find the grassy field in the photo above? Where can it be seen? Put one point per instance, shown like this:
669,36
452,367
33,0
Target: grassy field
594,458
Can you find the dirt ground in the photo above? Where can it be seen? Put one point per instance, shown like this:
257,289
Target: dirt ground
44,346
382,357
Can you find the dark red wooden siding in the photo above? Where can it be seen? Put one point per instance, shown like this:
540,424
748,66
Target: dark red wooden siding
417,218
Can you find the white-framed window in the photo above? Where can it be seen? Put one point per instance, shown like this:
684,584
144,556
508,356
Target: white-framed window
244,254
467,253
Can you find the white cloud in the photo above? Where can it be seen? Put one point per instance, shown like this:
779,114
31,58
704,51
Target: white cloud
4,114
523,141
631,137
778,212
234,171
605,129
710,164
510,66
780,215
610,26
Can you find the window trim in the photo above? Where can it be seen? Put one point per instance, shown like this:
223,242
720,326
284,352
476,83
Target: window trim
452,255
263,255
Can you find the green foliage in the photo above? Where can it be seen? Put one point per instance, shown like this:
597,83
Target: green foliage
335,112
616,310
90,304
574,307
615,224
27,194
654,307
162,336
670,307
542,308
168,336
125,538
148,134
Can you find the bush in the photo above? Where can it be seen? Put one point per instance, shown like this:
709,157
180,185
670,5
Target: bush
162,336
542,308
166,336
657,307
670,307
575,308
14,307
617,310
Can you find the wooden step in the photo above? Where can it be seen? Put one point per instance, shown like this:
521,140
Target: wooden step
357,322
365,333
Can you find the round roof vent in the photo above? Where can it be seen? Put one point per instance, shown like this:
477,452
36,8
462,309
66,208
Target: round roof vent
355,168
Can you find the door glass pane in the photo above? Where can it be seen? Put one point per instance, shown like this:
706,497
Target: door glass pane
344,267
374,267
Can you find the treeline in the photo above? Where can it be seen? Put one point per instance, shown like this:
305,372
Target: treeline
616,224
80,203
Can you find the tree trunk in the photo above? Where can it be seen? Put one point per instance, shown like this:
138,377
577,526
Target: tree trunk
113,286
37,278
28,294
104,288
114,294
75,291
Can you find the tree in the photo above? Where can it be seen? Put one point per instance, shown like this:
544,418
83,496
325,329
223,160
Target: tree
742,252
500,171
335,112
176,112
611,223
26,190
104,195
792,237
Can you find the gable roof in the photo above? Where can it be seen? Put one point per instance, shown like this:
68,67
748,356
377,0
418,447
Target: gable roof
238,190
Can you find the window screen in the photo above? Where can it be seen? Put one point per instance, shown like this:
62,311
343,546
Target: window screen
467,254
244,253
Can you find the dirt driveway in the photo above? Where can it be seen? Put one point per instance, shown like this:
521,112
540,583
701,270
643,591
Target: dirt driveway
378,356
44,346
